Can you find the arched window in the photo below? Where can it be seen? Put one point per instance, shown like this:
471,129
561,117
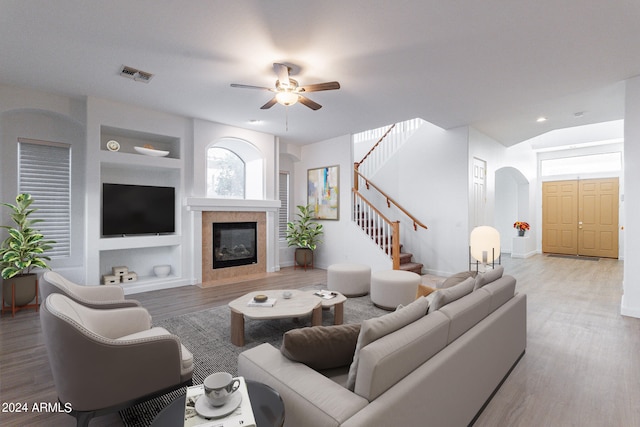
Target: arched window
225,174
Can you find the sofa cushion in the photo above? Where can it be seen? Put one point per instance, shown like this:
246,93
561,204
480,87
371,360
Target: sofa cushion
501,290
443,297
321,347
375,328
388,360
466,312
456,278
488,277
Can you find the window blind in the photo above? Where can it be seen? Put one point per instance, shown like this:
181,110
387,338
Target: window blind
283,213
44,171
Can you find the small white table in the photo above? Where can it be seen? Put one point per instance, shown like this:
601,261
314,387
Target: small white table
337,302
300,304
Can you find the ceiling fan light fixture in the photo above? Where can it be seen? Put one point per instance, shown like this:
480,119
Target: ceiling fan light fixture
286,98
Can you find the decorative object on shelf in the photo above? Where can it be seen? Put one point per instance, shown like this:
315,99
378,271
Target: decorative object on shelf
305,234
162,270
260,298
322,192
484,247
110,279
113,145
129,277
521,226
151,151
20,253
119,271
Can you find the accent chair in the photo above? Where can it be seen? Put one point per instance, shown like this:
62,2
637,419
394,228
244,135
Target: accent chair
107,360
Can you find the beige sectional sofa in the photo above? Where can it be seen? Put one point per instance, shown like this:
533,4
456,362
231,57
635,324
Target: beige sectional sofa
409,368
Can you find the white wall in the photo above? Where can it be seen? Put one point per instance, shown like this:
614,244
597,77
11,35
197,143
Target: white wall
26,113
428,176
342,240
631,283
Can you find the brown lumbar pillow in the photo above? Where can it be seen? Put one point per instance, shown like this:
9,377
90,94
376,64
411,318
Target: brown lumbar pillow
321,347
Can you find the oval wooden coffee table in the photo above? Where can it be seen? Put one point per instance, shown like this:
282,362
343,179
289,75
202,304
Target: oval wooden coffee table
300,304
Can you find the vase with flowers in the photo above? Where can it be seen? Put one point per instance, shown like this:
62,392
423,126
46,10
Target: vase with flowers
521,226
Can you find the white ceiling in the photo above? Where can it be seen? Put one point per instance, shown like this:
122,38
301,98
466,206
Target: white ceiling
493,64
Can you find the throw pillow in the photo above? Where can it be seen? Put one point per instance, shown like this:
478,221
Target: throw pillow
378,327
457,278
488,277
445,296
321,347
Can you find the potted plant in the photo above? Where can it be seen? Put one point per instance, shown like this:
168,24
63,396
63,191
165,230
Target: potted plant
305,234
521,226
21,252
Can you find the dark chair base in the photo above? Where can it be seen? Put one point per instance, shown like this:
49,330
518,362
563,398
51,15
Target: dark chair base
84,417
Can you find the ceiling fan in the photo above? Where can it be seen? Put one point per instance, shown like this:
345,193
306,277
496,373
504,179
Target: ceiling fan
288,92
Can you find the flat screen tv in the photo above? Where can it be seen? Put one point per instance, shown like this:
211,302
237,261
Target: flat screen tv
137,209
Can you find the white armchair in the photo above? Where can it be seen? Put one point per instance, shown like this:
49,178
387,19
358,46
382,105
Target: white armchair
106,296
106,360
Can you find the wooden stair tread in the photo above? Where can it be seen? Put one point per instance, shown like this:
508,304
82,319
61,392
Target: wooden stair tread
412,266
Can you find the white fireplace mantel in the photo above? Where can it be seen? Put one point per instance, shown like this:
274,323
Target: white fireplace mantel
204,204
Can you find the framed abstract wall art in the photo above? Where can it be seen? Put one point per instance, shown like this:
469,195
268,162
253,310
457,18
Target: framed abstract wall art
322,192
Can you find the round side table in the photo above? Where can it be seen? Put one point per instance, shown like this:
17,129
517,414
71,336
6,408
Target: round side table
267,405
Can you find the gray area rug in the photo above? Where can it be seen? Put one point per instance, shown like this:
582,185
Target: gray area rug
207,335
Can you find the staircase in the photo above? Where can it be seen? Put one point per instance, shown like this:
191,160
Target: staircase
376,228
382,230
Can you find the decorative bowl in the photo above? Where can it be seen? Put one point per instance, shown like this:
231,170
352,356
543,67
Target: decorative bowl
260,298
151,152
162,270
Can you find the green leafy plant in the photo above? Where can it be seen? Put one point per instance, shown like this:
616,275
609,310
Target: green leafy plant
24,249
304,232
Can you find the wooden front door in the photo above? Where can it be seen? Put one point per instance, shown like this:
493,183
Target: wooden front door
580,217
598,218
560,217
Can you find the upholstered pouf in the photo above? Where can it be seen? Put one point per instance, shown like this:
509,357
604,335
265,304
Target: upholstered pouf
393,287
350,280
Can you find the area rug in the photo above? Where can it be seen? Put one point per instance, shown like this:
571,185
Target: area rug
207,335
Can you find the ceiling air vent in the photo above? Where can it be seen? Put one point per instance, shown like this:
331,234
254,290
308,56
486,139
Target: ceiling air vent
137,75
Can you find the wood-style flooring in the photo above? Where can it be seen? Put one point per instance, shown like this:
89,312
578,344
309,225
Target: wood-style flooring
581,368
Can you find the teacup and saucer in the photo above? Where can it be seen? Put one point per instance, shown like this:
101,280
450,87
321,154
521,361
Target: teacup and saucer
220,396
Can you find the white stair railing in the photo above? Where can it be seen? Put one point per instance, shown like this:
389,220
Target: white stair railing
389,140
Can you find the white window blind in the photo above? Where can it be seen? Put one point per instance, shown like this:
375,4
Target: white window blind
283,213
44,171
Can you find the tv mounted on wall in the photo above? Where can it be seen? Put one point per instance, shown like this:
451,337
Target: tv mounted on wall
137,209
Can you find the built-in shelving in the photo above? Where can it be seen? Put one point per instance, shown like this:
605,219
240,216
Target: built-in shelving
140,253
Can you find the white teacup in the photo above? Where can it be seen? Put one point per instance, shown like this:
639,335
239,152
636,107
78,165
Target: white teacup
219,387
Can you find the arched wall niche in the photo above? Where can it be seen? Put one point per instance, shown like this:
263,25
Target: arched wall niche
254,162
512,203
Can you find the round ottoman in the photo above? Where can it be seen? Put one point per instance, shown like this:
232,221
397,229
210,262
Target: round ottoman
393,287
350,280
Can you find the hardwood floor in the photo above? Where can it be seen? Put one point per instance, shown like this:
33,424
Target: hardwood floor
581,368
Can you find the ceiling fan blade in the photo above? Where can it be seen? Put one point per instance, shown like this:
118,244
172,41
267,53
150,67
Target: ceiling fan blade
282,71
309,103
319,86
250,87
269,104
